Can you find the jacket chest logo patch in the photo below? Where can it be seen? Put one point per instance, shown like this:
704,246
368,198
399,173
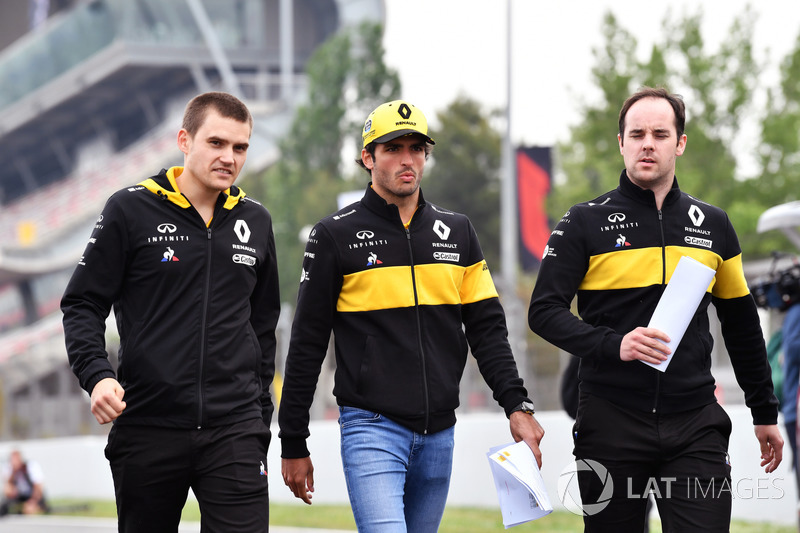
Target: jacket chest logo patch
169,255
696,215
446,256
242,259
372,259
618,221
366,238
697,241
441,229
242,230
167,233
622,242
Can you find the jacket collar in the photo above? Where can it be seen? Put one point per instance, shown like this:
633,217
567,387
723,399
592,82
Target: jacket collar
646,196
164,185
375,203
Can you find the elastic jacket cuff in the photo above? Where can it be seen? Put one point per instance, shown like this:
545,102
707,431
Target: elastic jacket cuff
764,416
97,378
294,448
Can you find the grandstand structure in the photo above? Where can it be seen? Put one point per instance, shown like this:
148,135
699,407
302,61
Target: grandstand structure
91,97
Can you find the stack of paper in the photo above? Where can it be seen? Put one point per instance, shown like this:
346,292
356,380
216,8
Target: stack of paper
519,484
678,303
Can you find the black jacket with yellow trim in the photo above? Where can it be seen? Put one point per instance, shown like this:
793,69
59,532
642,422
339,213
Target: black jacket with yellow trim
617,252
196,307
399,302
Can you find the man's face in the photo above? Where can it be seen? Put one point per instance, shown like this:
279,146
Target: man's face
16,460
650,144
397,167
217,152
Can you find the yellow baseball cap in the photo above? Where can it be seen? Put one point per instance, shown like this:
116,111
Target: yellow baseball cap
392,120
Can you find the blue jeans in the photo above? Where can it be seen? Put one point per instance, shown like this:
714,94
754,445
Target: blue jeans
397,479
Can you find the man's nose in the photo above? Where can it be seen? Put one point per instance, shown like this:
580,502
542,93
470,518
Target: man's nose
405,156
227,155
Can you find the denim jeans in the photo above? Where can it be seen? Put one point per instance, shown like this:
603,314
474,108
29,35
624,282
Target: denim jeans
397,479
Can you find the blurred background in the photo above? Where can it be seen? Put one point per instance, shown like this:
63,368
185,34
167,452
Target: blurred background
522,98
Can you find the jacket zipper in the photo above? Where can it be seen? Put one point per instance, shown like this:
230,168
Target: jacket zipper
425,400
203,340
663,281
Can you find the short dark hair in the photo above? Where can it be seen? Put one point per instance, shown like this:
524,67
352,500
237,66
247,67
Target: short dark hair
225,104
675,100
370,148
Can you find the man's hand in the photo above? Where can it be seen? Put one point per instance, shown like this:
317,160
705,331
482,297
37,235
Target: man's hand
771,441
645,344
107,402
526,427
298,475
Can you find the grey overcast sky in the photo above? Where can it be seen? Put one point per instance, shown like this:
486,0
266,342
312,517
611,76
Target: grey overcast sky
443,48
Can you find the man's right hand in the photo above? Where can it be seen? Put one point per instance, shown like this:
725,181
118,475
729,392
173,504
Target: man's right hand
107,402
645,344
298,475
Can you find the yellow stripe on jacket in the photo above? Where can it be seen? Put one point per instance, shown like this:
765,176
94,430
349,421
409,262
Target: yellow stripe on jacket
437,284
630,269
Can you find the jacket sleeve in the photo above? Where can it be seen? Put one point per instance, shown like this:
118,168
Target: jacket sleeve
486,331
93,288
563,267
744,339
321,282
265,305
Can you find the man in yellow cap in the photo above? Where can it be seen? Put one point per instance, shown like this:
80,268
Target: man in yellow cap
404,287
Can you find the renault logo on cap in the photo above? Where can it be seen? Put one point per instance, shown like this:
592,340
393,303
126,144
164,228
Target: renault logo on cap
404,111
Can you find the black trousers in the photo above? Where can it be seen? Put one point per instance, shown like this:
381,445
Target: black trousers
154,468
623,455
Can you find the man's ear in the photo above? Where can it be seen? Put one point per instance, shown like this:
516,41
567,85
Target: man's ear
681,145
366,157
183,141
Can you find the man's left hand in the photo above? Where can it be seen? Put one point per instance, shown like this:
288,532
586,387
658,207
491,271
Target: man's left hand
771,441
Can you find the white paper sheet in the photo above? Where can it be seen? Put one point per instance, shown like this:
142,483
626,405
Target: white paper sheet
679,303
519,484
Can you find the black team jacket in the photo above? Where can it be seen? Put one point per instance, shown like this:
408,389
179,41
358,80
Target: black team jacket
196,307
399,301
617,252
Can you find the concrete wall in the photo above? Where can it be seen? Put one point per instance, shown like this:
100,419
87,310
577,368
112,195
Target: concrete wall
76,468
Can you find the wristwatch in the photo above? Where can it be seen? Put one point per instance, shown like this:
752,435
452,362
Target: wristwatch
525,407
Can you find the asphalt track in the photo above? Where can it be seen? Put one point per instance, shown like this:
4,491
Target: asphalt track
68,524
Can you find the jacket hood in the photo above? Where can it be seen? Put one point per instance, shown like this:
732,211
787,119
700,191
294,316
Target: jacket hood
164,185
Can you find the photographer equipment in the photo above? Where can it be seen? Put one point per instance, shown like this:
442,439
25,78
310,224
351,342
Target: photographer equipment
781,289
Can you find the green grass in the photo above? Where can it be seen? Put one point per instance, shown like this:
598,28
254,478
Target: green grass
455,520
